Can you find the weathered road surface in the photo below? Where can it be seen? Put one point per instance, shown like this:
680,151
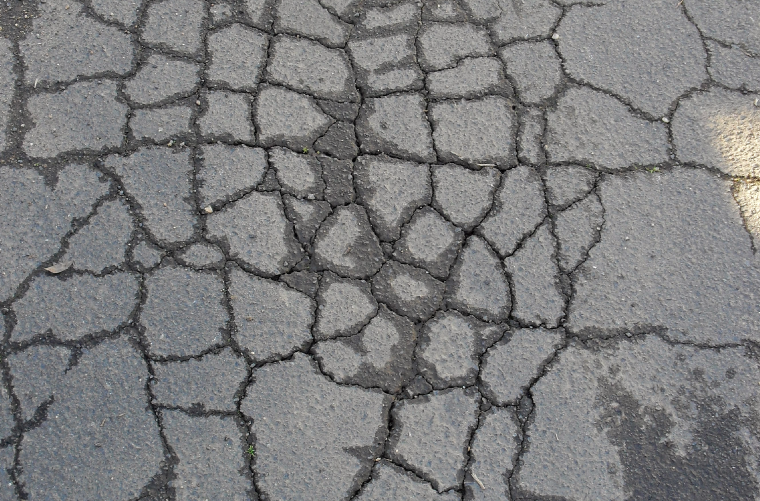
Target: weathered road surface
380,250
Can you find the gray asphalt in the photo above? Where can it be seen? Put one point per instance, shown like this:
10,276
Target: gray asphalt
380,250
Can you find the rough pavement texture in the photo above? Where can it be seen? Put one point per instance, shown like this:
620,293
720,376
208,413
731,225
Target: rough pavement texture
493,250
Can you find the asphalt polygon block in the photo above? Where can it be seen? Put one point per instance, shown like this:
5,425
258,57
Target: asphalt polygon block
161,78
310,67
303,281
530,149
346,245
656,51
396,125
145,256
447,10
510,366
450,348
229,171
392,17
666,262
30,236
75,307
260,13
299,175
227,117
580,447
483,10
209,382
535,277
273,320
68,44
475,132
473,77
315,453
286,118
309,19
38,373
380,356
567,184
535,68
159,180
730,21
307,216
339,180
519,207
184,312
524,19
577,229
84,116
201,255
747,195
99,415
494,446
718,129
210,452
339,141
175,24
7,457
238,55
391,190
7,422
430,242
121,11
462,195
345,306
102,243
407,290
162,123
255,230
392,482
733,67
339,111
477,284
444,44
432,434
7,80
386,64
592,127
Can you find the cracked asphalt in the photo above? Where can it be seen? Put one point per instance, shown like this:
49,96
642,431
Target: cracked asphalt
380,250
